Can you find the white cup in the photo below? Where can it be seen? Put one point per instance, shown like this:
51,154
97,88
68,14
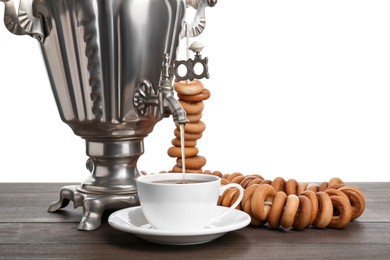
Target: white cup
189,206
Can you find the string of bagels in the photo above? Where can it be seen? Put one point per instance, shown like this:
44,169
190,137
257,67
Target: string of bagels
276,203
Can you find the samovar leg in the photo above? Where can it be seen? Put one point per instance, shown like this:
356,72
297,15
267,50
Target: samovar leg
66,195
112,185
93,204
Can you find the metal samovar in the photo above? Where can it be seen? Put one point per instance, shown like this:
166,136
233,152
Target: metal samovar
110,65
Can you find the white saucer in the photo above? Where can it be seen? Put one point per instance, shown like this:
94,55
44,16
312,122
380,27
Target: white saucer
132,220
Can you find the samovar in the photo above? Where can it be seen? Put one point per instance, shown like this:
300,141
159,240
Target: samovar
111,64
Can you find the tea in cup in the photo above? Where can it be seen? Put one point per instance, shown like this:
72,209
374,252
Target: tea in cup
170,202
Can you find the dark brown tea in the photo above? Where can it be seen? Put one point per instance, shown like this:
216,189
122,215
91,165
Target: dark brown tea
179,181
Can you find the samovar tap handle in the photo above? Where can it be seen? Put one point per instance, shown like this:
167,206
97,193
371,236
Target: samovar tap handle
199,23
23,22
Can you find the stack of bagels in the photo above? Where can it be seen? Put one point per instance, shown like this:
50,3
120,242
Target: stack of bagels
191,95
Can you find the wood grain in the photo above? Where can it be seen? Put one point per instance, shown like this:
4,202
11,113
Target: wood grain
27,230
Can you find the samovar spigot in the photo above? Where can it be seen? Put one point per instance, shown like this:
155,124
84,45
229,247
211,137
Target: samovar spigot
168,103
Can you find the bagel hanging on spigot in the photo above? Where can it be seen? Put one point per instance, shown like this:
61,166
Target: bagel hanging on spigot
191,93
191,96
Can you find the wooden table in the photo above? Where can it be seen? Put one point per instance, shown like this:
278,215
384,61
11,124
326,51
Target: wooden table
27,230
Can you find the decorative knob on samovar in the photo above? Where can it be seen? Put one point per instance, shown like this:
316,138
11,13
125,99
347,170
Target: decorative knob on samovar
199,23
24,22
190,65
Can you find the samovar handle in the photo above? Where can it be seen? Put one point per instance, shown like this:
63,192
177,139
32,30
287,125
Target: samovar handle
23,22
199,23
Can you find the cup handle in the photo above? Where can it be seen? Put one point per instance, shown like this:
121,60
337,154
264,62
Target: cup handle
235,204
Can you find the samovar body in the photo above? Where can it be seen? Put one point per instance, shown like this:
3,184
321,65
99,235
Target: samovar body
108,64
97,52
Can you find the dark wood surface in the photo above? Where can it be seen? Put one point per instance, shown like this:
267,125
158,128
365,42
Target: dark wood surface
27,230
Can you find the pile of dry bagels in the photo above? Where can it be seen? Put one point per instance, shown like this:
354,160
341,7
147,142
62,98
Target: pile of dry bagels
191,95
275,203
289,204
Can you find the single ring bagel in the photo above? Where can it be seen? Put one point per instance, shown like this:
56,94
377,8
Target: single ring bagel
205,94
254,182
302,218
217,173
333,192
335,183
301,187
187,143
247,180
314,205
278,184
224,181
189,87
178,169
193,107
246,204
233,175
290,210
269,182
356,200
229,197
323,186
313,187
188,151
255,221
291,187
275,214
194,118
247,198
192,163
187,136
194,128
238,179
225,175
342,212
256,175
262,194
325,210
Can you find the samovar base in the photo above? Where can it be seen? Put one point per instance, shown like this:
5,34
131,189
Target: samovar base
112,185
93,204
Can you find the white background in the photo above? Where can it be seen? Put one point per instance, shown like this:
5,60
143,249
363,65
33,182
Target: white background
300,89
